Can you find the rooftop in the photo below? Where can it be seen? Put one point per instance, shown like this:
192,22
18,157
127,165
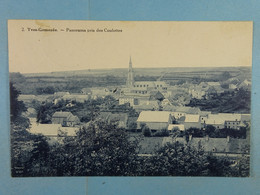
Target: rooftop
192,118
154,116
45,129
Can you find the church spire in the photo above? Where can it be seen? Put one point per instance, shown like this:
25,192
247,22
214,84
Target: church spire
130,77
130,62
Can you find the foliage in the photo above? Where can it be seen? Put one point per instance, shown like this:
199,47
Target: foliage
100,149
146,131
195,132
226,102
86,111
132,125
213,132
45,90
177,160
162,133
225,76
16,107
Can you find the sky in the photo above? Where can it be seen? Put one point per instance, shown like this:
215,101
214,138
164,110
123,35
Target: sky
150,44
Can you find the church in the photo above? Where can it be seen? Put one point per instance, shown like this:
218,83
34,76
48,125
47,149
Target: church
141,92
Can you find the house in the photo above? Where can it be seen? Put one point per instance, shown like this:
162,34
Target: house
53,132
214,121
152,105
213,84
166,102
226,120
173,127
156,95
68,131
140,99
86,91
144,87
181,111
102,92
245,84
49,130
155,120
65,119
232,86
26,98
81,98
192,121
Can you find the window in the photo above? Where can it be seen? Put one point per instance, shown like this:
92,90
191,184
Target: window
140,85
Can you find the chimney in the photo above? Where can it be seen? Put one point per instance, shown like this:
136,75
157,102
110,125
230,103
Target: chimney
228,138
190,137
207,137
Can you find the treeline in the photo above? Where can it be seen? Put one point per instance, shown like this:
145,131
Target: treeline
213,132
48,85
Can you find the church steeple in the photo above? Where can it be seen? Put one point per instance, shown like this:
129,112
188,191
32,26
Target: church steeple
130,77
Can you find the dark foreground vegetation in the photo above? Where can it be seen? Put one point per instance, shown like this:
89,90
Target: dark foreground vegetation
104,150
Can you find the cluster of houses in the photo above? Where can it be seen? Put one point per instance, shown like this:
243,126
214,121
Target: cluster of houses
63,124
204,89
178,119
153,100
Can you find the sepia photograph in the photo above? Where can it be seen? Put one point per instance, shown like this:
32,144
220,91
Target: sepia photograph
130,98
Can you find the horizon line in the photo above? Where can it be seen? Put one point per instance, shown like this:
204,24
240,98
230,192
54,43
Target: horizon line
133,68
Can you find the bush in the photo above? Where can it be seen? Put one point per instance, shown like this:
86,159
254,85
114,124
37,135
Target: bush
146,131
132,126
162,133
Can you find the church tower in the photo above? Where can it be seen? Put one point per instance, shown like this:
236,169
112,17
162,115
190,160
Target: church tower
130,78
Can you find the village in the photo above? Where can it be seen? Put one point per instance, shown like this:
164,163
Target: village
160,112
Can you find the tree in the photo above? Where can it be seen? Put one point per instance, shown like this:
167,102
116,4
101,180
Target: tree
210,130
146,131
225,76
162,133
45,90
45,112
101,149
132,125
176,160
16,106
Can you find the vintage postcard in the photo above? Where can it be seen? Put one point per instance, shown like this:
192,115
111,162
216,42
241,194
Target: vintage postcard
135,98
